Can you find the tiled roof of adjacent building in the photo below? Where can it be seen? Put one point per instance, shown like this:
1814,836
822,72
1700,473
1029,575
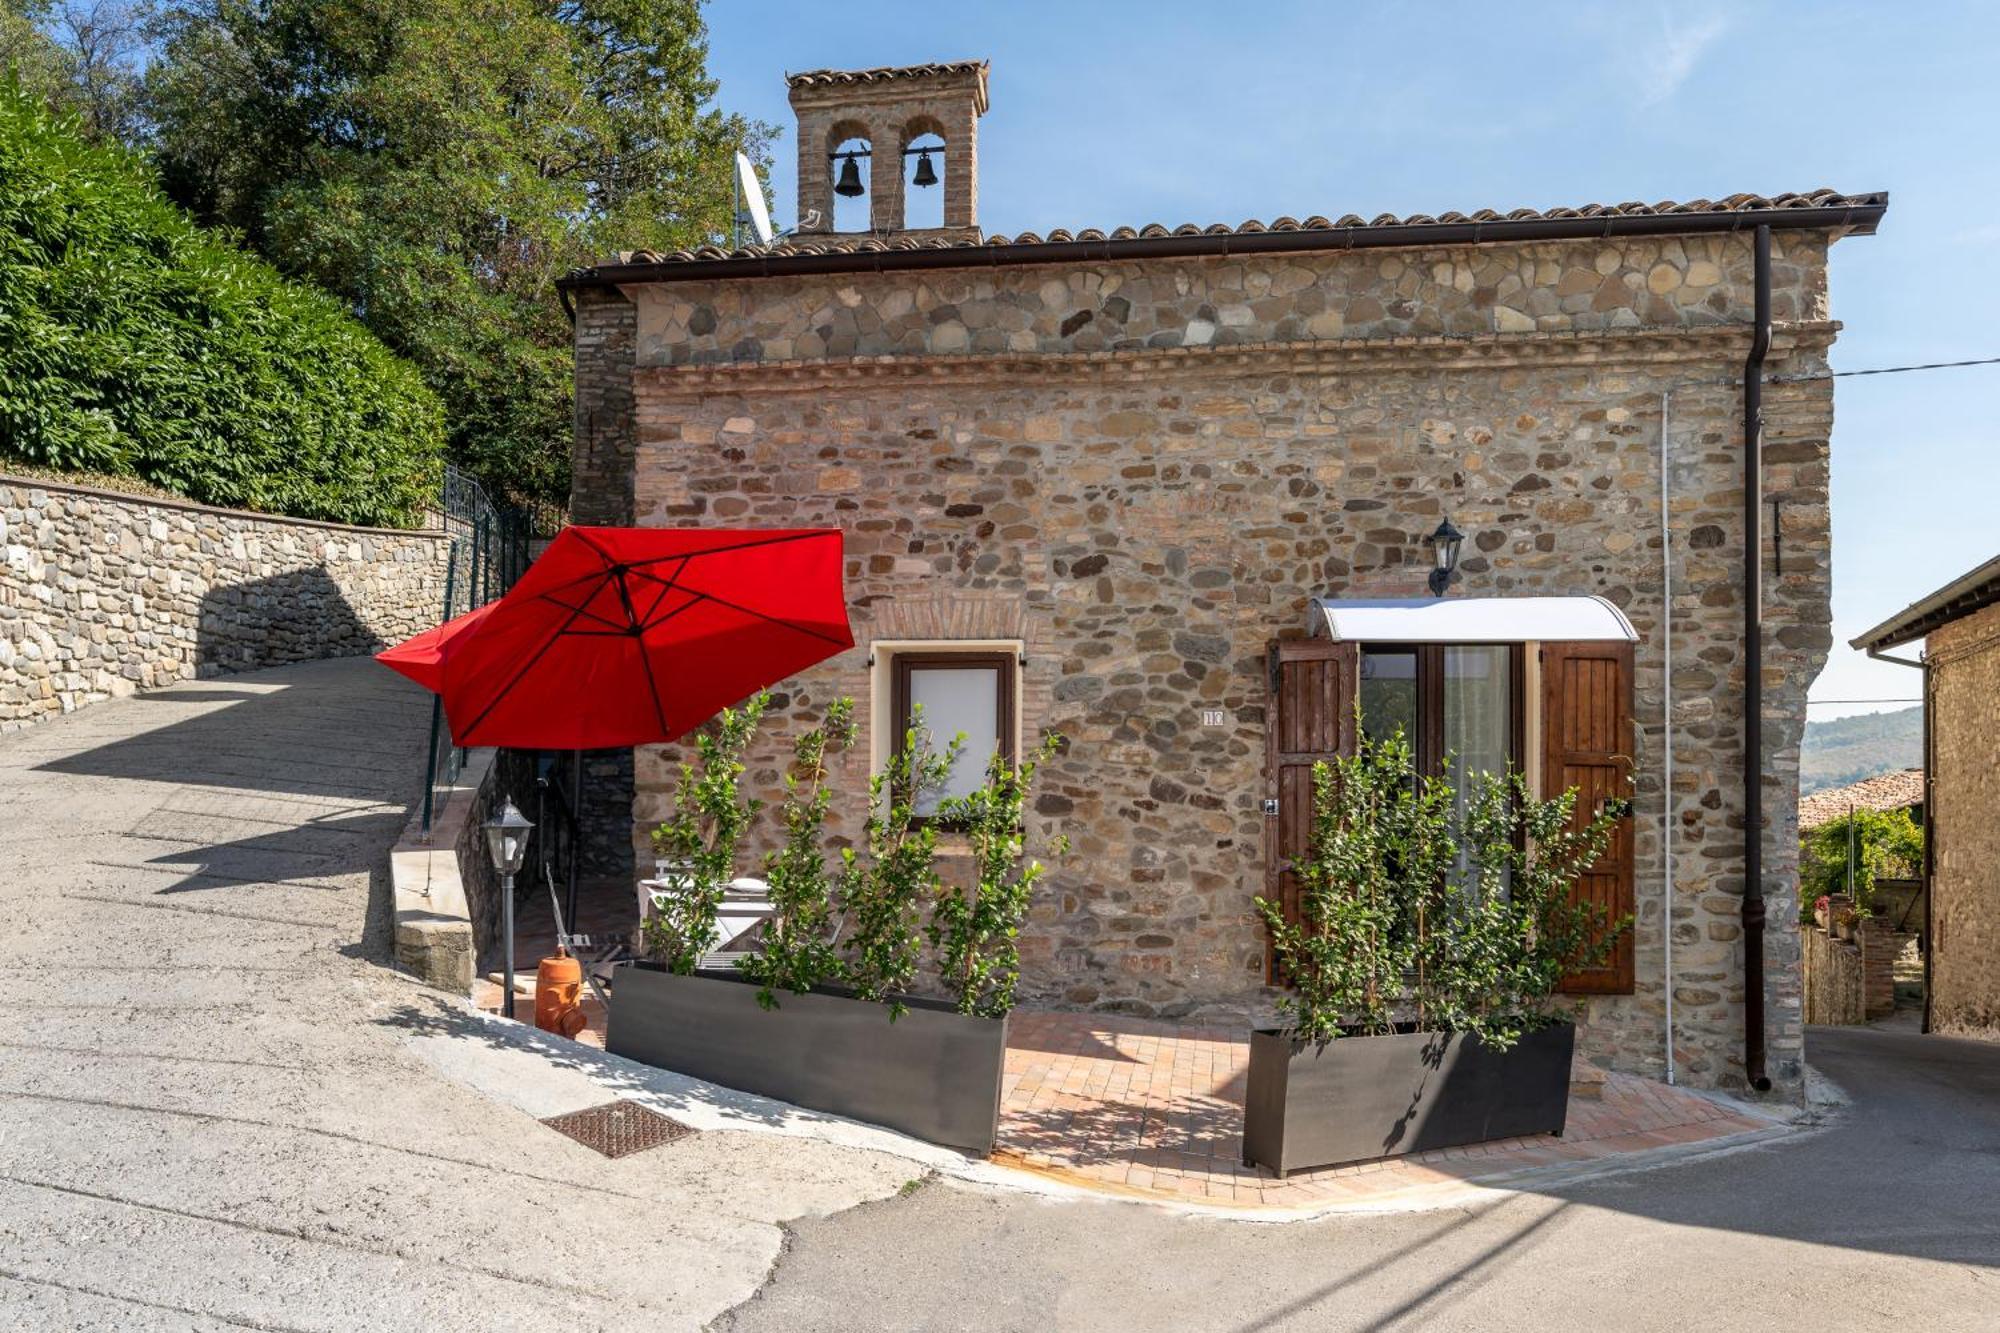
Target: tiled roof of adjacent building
825,252
1970,592
1885,791
821,77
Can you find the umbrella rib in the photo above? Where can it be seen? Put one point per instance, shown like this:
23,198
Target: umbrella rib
634,565
775,620
526,667
583,610
667,585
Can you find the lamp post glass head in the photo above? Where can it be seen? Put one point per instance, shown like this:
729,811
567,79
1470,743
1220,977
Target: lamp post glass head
1444,551
507,839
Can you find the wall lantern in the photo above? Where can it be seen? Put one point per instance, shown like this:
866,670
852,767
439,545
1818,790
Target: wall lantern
507,845
1444,552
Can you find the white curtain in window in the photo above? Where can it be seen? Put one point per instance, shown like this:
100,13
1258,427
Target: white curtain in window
958,699
1478,696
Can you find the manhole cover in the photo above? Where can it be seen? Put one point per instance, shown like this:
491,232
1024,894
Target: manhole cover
618,1129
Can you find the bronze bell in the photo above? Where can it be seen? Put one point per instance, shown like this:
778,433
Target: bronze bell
849,185
926,173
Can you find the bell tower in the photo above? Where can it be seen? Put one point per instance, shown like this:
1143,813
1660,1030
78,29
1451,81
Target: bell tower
899,129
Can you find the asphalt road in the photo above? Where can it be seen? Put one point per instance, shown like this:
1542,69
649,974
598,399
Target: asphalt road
1887,1218
219,1110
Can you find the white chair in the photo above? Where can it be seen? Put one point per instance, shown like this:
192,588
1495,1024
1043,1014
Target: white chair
746,906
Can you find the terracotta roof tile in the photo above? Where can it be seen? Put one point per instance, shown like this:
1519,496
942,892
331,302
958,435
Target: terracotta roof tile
865,243
882,73
1885,791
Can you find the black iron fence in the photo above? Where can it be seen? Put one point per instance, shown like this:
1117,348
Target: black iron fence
491,546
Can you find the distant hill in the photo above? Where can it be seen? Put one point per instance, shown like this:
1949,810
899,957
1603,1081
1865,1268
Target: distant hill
1848,749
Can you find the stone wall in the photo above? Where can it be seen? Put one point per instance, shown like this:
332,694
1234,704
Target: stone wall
1832,971
102,594
1144,470
1964,659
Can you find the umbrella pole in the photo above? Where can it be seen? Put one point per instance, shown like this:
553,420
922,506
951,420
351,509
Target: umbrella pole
575,829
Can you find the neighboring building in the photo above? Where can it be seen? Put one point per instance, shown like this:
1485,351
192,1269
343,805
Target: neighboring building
1960,628
1900,790
1169,492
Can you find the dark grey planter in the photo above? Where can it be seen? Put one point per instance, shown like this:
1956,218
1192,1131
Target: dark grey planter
932,1073
1365,1097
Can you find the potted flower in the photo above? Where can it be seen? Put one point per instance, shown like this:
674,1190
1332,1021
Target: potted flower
1422,961
823,1014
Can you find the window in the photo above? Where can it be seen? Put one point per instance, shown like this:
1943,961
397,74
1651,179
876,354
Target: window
1449,699
1460,702
970,693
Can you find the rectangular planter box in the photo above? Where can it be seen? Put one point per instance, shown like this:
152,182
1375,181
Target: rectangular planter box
1358,1098
933,1073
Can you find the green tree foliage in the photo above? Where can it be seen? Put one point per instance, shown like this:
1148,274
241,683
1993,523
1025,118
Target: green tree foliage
699,841
885,886
438,163
798,950
976,928
133,342
1407,915
1885,844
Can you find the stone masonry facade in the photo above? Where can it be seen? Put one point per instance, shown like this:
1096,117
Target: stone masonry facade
1964,658
1143,470
1135,457
102,594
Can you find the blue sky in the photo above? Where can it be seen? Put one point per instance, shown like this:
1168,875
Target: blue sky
1108,112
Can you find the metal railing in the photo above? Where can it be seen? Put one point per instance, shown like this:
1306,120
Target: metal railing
491,546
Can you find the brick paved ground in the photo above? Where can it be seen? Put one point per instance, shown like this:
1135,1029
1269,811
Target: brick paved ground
1129,1106
1137,1106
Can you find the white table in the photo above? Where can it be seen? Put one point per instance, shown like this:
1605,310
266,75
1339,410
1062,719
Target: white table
746,906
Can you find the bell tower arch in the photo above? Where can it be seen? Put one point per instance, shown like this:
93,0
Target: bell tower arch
889,110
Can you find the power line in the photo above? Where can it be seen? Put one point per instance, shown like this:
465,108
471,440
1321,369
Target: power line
1885,370
1814,703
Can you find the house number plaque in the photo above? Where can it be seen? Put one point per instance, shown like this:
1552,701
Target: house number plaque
1213,717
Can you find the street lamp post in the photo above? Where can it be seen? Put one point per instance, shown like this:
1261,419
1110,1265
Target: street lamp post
507,844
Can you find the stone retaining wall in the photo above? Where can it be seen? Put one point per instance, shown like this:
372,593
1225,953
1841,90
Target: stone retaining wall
1833,980
102,594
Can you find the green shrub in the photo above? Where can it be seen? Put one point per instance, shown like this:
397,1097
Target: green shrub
1408,915
135,343
1885,844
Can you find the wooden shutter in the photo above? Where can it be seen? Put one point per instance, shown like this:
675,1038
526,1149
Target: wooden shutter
1311,718
1587,744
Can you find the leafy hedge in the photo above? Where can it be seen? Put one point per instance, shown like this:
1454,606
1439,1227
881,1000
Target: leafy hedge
133,342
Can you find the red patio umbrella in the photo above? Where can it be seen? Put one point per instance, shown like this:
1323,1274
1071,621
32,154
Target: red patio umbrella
421,657
626,636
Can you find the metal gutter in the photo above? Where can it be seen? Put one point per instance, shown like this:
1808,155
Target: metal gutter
1961,597
1858,219
1753,673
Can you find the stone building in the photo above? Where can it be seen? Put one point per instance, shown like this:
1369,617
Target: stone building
1959,625
1169,491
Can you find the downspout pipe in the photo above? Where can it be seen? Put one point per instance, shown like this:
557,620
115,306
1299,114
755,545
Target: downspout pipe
1753,672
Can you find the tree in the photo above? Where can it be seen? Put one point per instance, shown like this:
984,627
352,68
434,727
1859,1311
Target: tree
1881,843
439,163
137,343
82,57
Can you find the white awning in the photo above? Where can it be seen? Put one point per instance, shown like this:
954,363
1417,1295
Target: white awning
1469,619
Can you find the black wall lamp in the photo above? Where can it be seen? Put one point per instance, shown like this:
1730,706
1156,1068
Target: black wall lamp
1444,553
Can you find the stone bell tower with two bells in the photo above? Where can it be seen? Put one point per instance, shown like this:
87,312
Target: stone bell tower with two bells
913,126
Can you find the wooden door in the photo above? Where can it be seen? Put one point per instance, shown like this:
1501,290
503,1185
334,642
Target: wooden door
1587,743
1311,719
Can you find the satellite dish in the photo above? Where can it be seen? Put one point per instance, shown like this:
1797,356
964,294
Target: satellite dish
752,190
